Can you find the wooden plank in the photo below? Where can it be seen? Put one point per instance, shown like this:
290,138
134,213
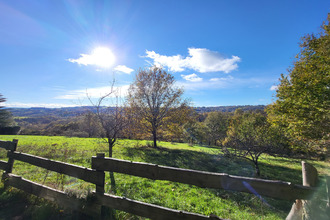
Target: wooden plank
83,173
100,188
8,145
327,184
61,198
11,160
3,165
259,187
146,209
120,203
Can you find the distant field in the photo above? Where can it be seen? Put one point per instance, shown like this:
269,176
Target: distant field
223,203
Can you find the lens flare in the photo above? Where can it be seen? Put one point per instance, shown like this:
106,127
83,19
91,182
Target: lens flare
103,57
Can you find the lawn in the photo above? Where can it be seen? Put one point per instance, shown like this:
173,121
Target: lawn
225,204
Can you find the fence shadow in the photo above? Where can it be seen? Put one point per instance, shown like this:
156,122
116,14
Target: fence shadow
204,161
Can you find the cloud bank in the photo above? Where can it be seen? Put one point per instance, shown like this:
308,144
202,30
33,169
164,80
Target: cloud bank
98,92
199,59
37,105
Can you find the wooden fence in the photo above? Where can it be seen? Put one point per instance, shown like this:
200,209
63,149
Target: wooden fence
100,164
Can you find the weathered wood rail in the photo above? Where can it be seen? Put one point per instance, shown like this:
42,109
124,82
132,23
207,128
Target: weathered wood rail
100,164
83,173
259,187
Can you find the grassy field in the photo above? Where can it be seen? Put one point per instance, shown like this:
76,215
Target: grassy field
225,204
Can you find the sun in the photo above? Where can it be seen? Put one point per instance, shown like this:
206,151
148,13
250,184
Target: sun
103,57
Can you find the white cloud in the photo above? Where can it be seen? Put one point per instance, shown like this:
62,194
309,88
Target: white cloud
221,79
101,57
95,92
273,88
192,78
214,83
228,82
124,69
199,59
36,105
174,63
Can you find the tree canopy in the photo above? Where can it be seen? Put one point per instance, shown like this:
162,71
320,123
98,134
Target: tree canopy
153,98
303,96
250,135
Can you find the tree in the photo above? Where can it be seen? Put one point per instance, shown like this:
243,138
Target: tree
151,98
112,121
250,135
6,119
217,124
111,118
89,123
174,124
303,96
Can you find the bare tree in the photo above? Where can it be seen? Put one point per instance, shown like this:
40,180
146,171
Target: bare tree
151,97
112,121
111,118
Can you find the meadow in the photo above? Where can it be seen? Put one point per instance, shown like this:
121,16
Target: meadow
225,204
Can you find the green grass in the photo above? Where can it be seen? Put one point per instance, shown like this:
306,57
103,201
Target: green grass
225,204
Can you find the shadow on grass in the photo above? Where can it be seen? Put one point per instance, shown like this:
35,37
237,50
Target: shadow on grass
204,161
217,163
15,204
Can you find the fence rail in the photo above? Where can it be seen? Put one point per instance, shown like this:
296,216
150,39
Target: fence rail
51,194
146,209
8,145
83,173
3,165
270,188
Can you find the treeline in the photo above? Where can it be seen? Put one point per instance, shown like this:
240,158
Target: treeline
77,121
37,113
82,122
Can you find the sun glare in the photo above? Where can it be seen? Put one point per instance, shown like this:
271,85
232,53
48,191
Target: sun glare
103,57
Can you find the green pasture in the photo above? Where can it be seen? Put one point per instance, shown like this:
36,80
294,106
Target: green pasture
225,204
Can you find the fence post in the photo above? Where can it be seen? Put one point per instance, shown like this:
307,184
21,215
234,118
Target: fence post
11,160
301,209
328,194
310,179
100,188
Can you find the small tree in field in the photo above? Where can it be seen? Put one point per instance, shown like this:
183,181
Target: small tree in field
250,135
111,118
112,121
152,98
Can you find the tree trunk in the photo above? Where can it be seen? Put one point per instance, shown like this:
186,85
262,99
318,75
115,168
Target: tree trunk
154,134
112,175
256,165
110,147
110,151
113,182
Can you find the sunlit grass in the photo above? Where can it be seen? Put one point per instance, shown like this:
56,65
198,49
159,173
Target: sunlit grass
225,204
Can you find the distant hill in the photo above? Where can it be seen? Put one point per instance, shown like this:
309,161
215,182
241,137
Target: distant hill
229,108
55,112
74,111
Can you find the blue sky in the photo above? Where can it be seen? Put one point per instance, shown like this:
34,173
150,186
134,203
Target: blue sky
221,52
